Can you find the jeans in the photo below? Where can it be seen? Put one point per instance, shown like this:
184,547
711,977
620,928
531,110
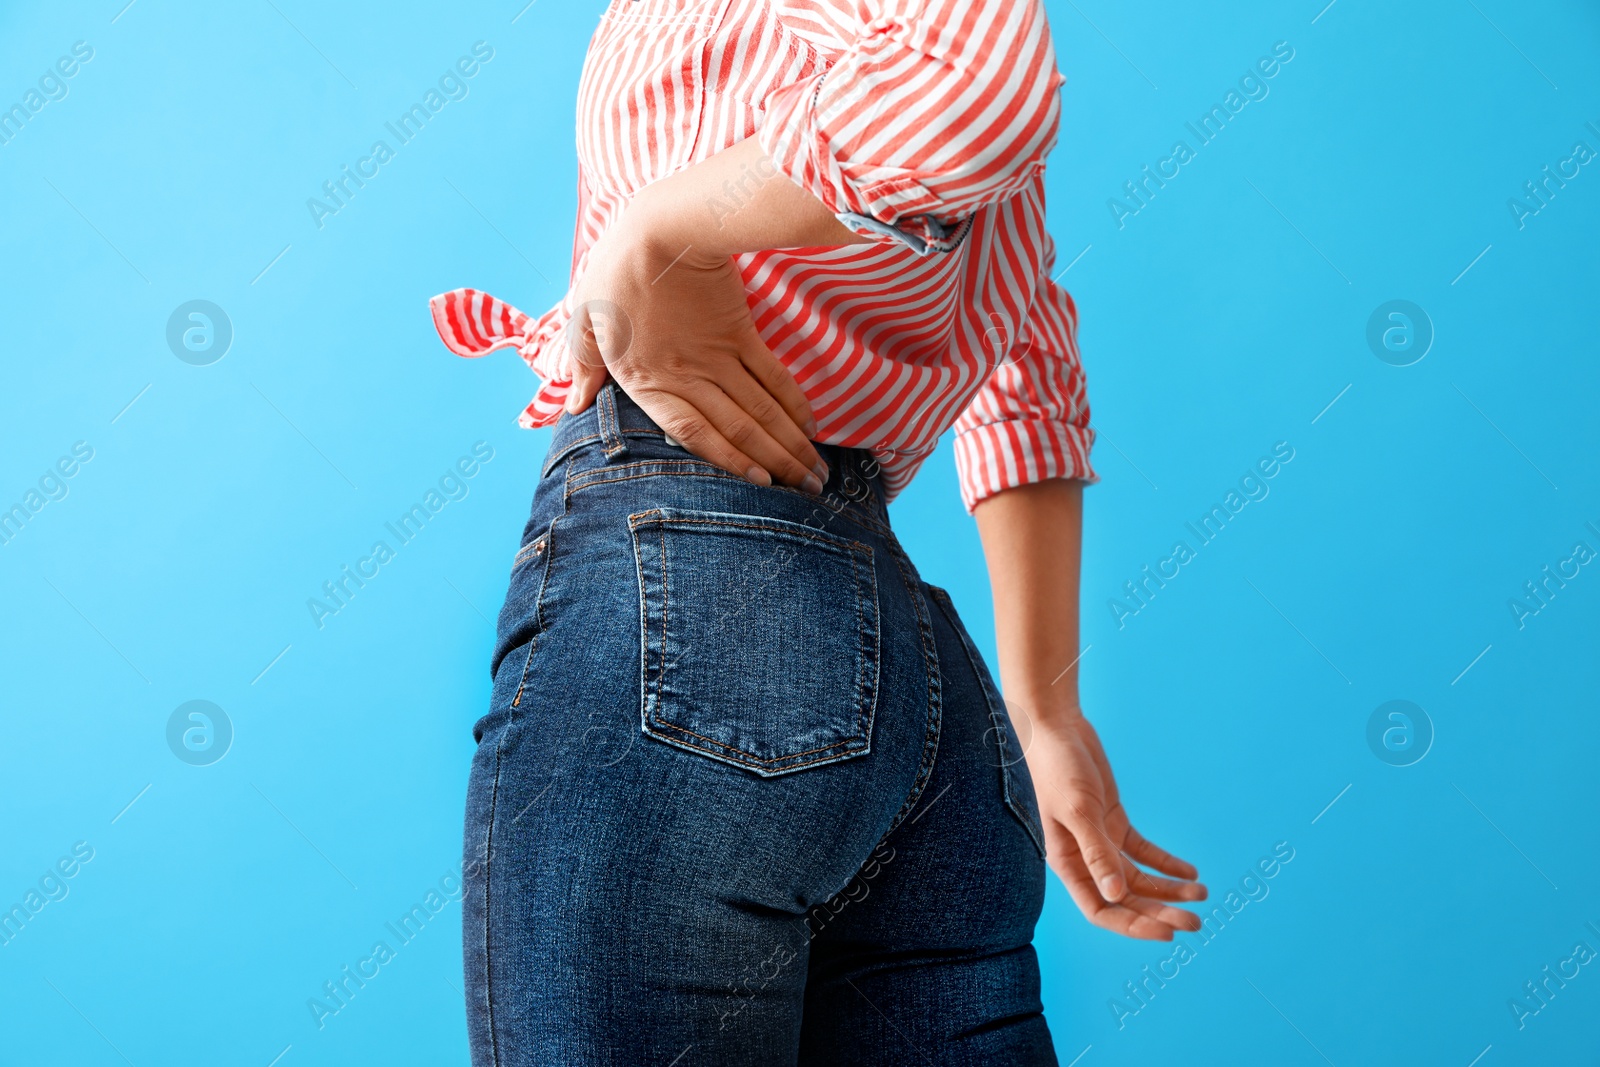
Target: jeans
746,792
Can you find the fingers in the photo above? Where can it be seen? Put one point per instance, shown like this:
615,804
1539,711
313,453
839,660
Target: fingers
1158,888
706,421
691,429
1114,917
1086,821
776,380
1137,847
796,457
1166,914
740,429
1141,913
749,424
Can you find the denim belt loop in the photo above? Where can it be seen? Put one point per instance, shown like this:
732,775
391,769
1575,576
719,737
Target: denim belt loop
612,442
859,468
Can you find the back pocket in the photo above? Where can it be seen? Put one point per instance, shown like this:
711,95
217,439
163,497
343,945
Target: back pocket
760,638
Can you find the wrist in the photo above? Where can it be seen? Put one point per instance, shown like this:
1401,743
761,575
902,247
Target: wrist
1045,705
663,227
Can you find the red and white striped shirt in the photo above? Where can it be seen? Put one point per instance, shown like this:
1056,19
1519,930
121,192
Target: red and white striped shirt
921,123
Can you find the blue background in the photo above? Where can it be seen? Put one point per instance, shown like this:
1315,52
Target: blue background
1222,318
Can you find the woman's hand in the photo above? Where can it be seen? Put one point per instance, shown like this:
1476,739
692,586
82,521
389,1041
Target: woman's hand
669,322
1091,845
1032,539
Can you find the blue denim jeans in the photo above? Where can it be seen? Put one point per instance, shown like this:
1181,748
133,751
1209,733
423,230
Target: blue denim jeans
745,793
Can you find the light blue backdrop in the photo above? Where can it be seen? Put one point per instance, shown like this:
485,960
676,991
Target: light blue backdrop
1228,313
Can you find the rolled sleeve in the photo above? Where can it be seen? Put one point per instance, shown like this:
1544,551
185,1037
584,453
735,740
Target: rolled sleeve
1029,422
934,109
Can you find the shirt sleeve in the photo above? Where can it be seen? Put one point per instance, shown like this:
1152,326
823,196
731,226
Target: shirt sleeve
1029,422
934,109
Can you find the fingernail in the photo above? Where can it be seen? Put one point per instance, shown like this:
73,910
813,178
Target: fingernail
1111,887
812,484
758,476
811,427
821,471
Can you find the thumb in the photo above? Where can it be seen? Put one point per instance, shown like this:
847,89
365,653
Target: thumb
588,365
586,383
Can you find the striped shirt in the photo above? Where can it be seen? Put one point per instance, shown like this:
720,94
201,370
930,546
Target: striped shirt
922,124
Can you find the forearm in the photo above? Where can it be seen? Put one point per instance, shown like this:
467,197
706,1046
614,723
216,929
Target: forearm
1032,540
737,201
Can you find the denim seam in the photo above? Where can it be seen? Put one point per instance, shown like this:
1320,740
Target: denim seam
1035,833
729,751
699,468
555,457
645,518
628,472
866,694
930,657
662,670
549,540
488,859
612,442
645,653
527,552
733,755
859,744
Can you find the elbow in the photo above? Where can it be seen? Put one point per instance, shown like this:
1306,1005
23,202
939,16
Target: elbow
1005,153
986,159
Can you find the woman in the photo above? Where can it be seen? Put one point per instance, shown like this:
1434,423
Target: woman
746,793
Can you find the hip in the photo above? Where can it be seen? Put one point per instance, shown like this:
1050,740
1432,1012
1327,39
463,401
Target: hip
758,624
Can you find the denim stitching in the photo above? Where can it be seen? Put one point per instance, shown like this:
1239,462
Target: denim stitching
1035,833
662,670
554,457
750,762
849,746
549,540
607,475
749,759
646,518
859,514
612,441
488,859
756,761
930,658
644,630
867,691
527,552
